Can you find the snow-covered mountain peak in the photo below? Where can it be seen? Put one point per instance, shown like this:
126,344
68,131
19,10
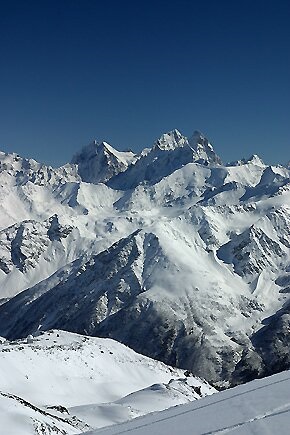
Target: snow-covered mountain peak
198,137
12,163
204,150
254,159
18,171
91,150
171,140
273,175
98,162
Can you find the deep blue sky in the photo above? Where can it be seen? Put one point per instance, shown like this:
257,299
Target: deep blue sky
127,71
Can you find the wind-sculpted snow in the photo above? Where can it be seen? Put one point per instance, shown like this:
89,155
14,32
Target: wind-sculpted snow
171,252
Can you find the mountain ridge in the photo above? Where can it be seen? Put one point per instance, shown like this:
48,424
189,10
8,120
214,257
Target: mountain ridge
170,244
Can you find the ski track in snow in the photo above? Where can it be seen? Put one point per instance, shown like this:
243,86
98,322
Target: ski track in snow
232,428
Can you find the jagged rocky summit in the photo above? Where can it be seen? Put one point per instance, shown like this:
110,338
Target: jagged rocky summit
170,251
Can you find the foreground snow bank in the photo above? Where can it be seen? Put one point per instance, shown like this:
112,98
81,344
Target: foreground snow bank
259,407
66,383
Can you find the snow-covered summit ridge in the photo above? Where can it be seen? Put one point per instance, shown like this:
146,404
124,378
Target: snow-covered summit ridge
23,170
204,150
94,148
171,140
98,162
254,159
169,153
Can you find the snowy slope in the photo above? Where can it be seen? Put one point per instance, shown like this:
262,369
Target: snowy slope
171,252
259,407
18,416
73,383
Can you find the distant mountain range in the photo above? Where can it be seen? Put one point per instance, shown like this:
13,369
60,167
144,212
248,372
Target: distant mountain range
177,255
